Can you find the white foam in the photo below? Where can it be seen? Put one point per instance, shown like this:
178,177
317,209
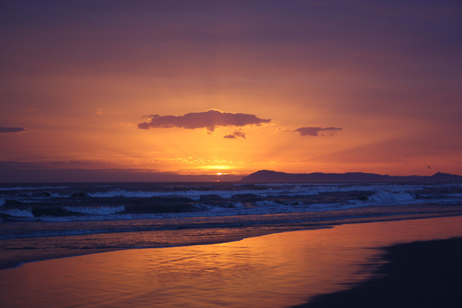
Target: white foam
388,197
102,210
454,195
267,203
19,213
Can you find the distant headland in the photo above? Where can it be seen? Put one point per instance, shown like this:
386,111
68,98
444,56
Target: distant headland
268,176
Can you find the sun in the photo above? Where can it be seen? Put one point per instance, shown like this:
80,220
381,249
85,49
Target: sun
219,173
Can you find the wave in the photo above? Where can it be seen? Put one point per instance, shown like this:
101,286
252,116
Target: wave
100,210
196,194
16,188
213,208
132,201
19,213
389,197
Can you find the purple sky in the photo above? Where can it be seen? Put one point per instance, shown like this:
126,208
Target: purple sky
221,87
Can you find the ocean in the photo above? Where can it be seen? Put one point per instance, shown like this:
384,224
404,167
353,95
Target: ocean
43,221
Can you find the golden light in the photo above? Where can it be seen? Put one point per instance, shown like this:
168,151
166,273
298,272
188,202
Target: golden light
216,167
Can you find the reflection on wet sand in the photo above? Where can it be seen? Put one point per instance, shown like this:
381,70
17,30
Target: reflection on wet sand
276,270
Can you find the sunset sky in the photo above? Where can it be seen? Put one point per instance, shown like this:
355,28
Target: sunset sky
145,90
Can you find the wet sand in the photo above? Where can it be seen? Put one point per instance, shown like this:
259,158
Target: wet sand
276,270
418,274
18,251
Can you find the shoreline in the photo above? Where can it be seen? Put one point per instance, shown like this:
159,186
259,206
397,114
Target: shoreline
275,270
16,257
416,274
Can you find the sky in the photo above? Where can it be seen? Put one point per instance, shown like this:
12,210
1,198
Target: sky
207,90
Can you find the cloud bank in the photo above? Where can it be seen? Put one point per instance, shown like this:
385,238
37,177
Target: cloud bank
210,120
315,131
11,129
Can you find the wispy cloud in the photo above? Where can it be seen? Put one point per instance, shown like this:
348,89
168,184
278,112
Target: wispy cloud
236,134
11,129
209,119
315,131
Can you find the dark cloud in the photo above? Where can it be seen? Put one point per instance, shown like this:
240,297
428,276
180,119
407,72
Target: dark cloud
210,120
235,135
11,129
314,131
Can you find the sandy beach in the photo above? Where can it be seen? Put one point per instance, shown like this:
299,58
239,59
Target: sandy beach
418,274
276,270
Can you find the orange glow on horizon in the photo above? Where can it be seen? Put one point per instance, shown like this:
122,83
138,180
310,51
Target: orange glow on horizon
286,102
217,167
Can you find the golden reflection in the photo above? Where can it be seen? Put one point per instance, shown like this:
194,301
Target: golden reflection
277,270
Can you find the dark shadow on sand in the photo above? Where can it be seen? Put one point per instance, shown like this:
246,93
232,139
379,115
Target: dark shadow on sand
419,274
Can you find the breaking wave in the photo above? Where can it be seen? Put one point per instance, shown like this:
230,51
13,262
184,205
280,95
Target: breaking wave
172,205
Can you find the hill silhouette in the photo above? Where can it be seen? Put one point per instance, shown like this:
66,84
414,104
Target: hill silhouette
268,176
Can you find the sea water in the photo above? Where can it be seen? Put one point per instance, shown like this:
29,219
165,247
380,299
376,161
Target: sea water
40,221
